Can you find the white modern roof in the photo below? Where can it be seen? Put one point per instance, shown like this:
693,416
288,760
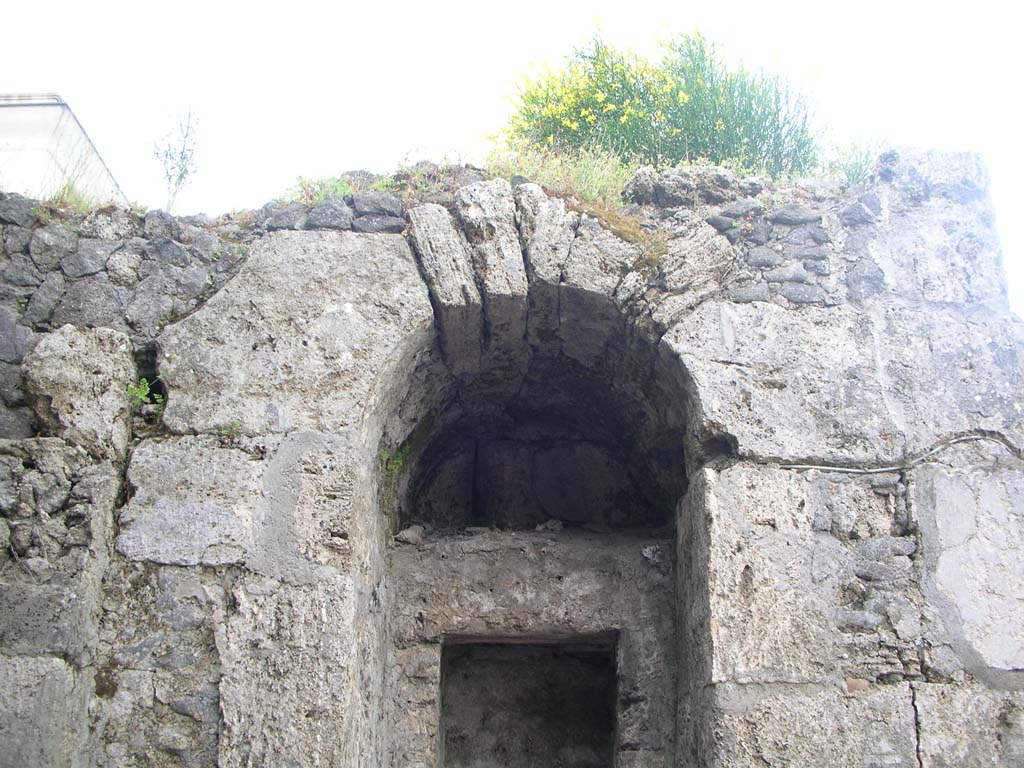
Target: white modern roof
43,147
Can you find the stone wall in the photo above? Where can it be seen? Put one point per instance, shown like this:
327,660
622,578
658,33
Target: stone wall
393,430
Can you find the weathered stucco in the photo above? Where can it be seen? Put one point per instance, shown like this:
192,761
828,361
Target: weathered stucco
771,478
972,529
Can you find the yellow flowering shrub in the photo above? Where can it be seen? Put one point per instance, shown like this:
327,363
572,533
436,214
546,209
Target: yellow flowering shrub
685,107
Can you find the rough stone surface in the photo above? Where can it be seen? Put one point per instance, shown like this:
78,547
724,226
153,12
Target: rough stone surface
893,398
330,213
379,223
326,308
17,269
486,211
989,726
284,508
807,727
689,186
767,476
56,515
286,216
791,273
15,209
548,587
77,382
89,259
547,230
163,250
760,256
161,224
446,261
57,509
377,204
721,223
16,239
741,208
794,214
93,302
798,292
15,340
123,272
38,720
411,535
269,716
865,279
594,269
192,504
775,581
44,300
972,513
16,422
50,244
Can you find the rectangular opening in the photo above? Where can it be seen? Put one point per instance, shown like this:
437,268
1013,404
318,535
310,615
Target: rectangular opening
519,704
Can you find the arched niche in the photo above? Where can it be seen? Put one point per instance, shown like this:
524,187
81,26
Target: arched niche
543,440
486,467
598,444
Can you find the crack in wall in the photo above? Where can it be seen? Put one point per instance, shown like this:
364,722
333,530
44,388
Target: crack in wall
910,463
917,726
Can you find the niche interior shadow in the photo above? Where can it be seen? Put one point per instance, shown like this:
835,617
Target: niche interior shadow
526,704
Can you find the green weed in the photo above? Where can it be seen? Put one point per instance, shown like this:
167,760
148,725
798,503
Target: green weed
590,173
853,163
312,191
142,394
69,198
230,433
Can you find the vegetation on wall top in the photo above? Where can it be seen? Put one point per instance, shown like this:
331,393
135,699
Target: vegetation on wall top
685,108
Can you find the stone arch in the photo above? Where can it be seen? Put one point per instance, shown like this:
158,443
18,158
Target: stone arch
597,444
542,372
819,601
533,464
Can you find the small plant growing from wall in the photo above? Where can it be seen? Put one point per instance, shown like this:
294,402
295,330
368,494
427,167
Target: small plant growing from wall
853,163
229,434
143,394
312,191
176,153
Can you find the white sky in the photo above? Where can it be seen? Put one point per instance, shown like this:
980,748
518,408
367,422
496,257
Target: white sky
299,88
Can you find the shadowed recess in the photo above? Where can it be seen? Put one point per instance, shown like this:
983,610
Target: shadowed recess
598,446
528,705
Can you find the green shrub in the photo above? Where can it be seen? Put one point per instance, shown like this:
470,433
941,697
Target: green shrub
684,108
603,99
